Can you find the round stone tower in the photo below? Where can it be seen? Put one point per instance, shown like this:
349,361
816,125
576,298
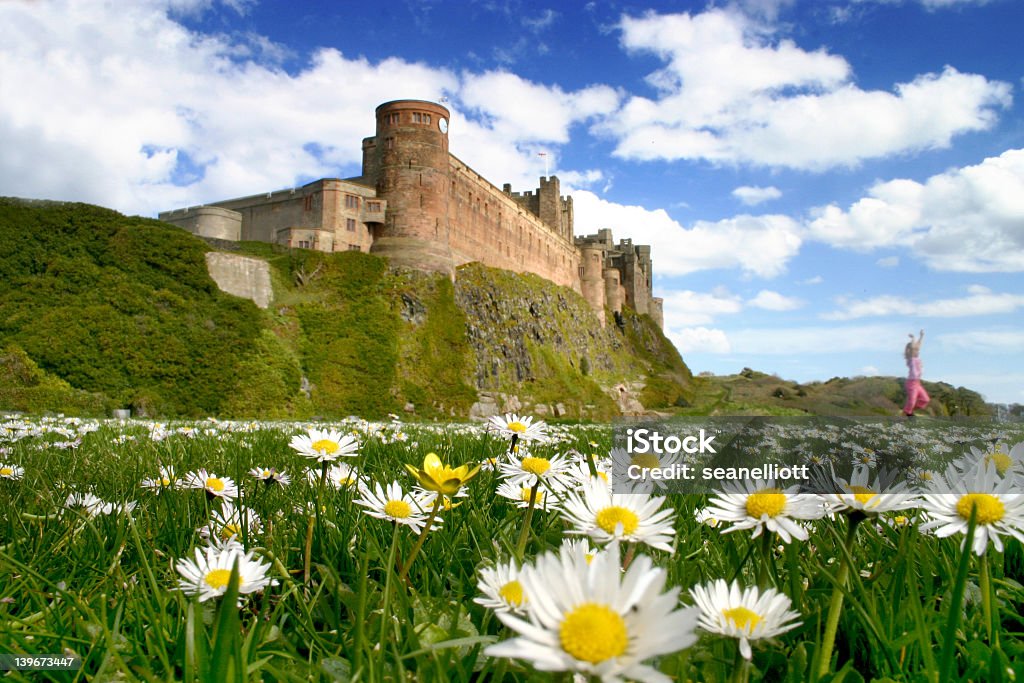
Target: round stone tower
592,282
413,176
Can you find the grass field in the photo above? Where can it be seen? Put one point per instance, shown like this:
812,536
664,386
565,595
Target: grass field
350,596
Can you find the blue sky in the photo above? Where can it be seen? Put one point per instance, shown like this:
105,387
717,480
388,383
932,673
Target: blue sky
817,178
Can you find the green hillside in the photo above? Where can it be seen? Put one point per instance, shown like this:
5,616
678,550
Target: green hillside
100,310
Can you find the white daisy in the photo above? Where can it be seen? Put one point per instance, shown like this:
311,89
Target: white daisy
230,521
163,482
214,485
521,495
207,576
759,504
339,476
394,505
861,494
501,588
605,516
270,476
746,614
11,472
595,619
999,507
518,427
527,470
325,445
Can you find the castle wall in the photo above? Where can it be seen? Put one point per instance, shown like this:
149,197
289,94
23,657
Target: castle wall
241,276
207,221
592,278
492,227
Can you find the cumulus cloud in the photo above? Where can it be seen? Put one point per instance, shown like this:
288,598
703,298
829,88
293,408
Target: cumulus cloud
756,245
980,301
773,301
700,340
888,262
752,196
732,92
135,111
686,307
969,219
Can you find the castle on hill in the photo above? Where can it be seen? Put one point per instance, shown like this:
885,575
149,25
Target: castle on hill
422,208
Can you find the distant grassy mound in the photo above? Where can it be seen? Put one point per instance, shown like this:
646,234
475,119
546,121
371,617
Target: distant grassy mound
756,392
118,306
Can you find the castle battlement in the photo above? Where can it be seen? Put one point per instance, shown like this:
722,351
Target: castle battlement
421,207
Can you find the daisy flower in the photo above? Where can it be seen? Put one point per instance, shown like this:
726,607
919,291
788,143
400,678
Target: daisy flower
229,522
208,574
394,505
165,481
998,512
522,494
502,591
214,485
759,504
747,614
596,620
1005,460
11,472
860,494
518,428
635,468
339,476
324,445
605,516
527,470
270,476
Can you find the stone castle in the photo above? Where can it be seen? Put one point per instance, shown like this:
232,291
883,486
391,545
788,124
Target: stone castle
423,208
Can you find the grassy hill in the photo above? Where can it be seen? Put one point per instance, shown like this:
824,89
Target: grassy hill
99,310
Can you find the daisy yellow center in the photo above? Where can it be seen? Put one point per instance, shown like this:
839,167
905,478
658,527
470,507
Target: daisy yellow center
610,517
536,465
989,508
603,476
1001,460
743,618
646,461
517,427
593,633
512,593
525,495
325,446
926,476
769,502
862,494
215,484
398,509
165,481
218,578
230,530
6,471
266,474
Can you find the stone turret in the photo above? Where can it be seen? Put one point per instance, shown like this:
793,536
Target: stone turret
408,163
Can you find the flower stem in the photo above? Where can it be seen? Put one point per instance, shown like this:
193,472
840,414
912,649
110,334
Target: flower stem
766,559
524,533
740,667
985,585
836,604
956,601
438,499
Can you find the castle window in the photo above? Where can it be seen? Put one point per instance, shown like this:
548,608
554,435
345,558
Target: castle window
303,244
353,247
373,207
351,201
420,118
389,143
350,224
581,272
307,203
394,119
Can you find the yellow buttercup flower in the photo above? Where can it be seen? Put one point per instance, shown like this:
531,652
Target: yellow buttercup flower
440,478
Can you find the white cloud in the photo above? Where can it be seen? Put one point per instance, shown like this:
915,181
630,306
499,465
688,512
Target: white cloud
699,340
732,92
869,371
984,341
968,219
980,301
888,262
687,308
773,301
816,280
757,245
752,196
796,341
134,111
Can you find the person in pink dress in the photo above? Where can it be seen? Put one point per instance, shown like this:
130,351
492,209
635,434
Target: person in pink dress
917,397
